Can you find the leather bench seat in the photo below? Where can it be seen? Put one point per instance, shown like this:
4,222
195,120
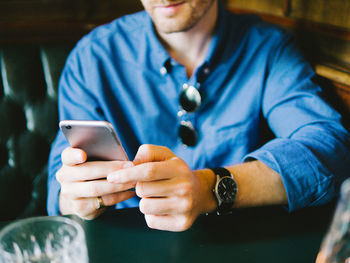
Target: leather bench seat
28,125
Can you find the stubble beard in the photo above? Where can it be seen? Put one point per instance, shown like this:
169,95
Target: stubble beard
190,21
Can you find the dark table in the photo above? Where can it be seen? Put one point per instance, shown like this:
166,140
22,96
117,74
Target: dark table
268,234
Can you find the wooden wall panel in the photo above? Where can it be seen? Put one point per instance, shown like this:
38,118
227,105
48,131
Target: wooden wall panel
332,12
50,10
322,29
276,7
323,49
47,21
339,97
35,9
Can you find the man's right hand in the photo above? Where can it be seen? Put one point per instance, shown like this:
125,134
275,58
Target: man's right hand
83,182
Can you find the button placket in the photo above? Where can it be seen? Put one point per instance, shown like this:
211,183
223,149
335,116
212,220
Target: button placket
189,101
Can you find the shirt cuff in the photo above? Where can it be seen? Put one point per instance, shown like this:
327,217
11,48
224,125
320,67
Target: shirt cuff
53,208
306,180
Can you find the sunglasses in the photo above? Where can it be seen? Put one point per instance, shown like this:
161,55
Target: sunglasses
190,99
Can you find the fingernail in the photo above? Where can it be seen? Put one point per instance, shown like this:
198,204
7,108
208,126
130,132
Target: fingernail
79,157
112,178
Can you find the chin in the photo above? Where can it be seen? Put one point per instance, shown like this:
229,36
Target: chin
168,28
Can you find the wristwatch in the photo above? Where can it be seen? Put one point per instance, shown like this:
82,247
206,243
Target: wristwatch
225,190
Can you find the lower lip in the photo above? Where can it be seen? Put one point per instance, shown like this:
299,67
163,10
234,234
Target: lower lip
170,9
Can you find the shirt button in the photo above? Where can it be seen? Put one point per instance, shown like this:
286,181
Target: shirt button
206,71
180,113
163,71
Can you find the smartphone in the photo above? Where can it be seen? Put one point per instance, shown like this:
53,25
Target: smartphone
97,138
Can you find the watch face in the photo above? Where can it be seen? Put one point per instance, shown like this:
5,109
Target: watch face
227,190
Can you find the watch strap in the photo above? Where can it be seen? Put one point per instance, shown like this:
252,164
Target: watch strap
223,208
222,172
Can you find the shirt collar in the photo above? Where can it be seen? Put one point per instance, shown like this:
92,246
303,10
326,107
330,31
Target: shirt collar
218,38
161,57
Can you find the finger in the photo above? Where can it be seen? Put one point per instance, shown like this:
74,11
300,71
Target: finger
115,198
93,188
163,188
89,170
73,156
165,206
153,171
87,208
152,153
169,222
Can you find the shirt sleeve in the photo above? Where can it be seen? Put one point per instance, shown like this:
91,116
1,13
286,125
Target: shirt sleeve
75,101
311,148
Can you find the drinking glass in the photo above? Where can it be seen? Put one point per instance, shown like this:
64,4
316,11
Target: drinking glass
336,244
43,239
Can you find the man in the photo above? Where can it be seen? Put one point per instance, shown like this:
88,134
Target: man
188,72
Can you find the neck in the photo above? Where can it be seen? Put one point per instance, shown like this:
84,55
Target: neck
190,47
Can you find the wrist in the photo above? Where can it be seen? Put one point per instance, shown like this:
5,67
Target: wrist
225,190
207,200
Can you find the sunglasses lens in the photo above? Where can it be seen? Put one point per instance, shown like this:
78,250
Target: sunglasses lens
187,134
190,98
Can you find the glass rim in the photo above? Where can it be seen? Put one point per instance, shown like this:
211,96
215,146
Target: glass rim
8,228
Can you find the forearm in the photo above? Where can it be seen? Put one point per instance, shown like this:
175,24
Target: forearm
258,185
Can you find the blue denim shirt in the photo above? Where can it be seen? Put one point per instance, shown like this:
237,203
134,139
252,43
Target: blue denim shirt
253,77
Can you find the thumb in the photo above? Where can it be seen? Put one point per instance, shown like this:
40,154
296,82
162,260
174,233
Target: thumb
72,156
152,153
